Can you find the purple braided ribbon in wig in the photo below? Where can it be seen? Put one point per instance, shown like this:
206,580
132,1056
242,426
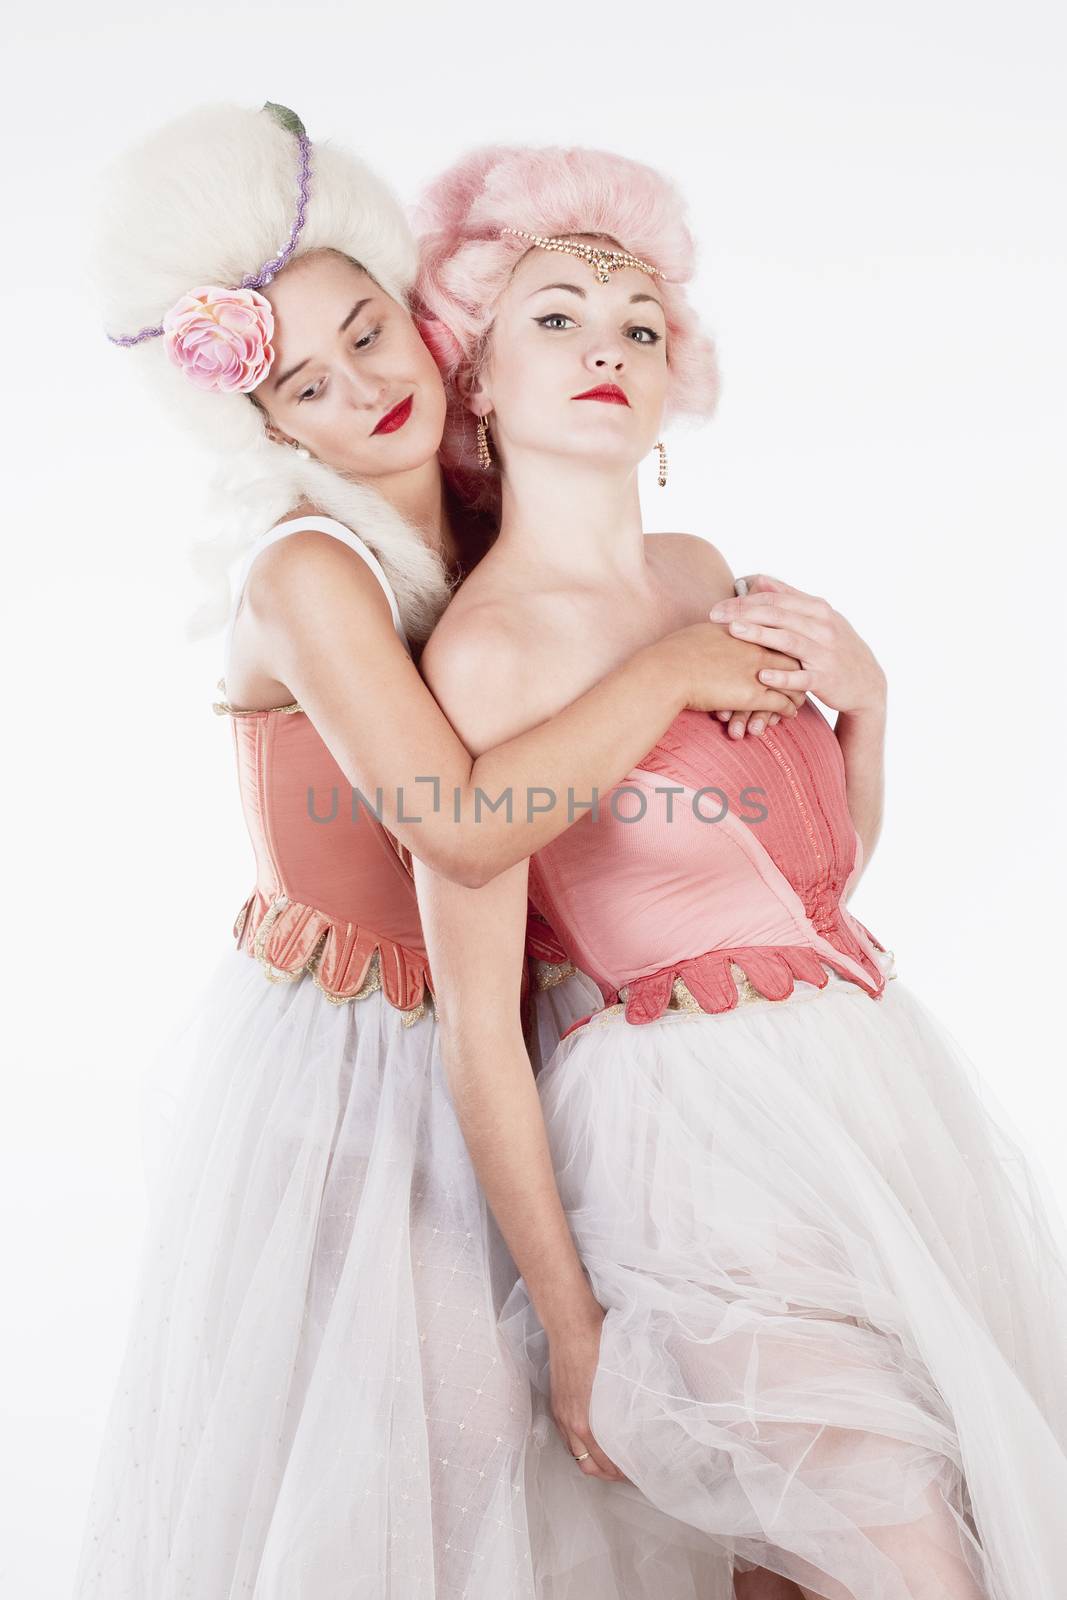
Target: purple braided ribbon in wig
256,280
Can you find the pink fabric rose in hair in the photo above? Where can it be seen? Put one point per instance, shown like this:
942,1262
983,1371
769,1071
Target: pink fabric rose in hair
221,338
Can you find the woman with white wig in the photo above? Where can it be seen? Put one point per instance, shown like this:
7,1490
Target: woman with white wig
313,1401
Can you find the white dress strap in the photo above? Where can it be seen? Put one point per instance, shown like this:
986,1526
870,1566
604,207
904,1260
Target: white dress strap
324,525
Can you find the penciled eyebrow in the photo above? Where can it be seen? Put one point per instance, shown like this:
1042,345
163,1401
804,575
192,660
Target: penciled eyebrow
352,315
572,288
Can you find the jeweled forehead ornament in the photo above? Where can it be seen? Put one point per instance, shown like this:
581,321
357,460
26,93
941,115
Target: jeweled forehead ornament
221,337
603,262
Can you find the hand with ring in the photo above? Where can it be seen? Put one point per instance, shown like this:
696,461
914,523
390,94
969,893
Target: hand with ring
574,1352
836,665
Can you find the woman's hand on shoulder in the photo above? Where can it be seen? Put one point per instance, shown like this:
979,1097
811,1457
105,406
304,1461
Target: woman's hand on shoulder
722,673
833,662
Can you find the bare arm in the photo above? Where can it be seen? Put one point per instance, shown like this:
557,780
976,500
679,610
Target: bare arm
861,735
322,627
475,940
838,667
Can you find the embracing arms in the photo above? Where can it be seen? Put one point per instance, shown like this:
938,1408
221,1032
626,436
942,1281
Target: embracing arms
322,627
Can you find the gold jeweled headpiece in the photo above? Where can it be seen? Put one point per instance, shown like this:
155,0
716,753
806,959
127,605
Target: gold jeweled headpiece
603,262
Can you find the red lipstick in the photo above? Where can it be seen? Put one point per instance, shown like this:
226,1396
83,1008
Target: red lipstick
396,418
608,392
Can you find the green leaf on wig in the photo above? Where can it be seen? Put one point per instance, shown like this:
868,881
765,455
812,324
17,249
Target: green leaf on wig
286,118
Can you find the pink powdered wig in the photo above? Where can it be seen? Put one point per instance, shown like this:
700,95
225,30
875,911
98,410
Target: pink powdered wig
465,265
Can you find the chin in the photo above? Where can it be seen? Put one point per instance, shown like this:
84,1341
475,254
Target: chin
404,451
611,429
611,455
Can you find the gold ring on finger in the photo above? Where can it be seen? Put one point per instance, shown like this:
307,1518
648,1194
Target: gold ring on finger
584,1456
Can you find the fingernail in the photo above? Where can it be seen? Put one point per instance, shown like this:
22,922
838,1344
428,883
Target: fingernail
755,727
718,613
740,627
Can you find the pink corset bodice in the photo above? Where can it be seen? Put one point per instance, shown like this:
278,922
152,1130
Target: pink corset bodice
329,893
675,894
334,894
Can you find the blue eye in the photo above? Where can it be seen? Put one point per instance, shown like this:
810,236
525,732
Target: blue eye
556,317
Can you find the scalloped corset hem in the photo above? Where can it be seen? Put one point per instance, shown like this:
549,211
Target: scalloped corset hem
723,980
345,960
335,896
334,893
348,962
667,906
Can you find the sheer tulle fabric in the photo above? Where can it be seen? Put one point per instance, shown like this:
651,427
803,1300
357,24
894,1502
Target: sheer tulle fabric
836,1298
315,1402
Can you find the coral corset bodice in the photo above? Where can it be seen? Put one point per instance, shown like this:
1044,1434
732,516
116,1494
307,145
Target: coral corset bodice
713,852
335,896
332,884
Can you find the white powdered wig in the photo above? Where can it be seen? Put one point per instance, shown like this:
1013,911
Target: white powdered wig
208,199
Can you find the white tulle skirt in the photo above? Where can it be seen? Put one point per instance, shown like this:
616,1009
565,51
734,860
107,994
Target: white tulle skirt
836,1290
315,1403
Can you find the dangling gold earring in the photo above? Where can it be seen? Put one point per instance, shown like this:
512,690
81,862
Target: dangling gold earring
662,480
485,460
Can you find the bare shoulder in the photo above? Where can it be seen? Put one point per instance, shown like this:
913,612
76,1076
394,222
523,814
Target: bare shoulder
509,652
694,556
312,610
476,663
312,569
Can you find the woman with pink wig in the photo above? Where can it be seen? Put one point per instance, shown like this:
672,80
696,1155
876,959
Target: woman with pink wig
314,1403
790,1291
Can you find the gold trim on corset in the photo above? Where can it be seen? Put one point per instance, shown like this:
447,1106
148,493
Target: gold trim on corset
370,985
549,973
223,708
408,1019
682,997
241,920
372,982
684,1000
603,1016
278,974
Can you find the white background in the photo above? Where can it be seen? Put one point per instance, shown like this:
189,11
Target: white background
878,192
